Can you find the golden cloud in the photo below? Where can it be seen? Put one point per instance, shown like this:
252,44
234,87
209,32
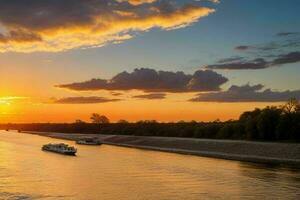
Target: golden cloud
54,28
137,2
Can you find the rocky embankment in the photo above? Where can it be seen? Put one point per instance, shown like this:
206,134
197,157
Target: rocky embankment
260,152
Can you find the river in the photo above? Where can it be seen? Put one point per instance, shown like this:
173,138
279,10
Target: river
115,173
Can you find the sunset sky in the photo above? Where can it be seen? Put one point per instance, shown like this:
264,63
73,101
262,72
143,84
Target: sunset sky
168,60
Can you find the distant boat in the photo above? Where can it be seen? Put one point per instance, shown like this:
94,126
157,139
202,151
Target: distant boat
60,148
19,131
7,129
89,141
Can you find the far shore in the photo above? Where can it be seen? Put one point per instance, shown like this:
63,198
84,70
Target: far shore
248,151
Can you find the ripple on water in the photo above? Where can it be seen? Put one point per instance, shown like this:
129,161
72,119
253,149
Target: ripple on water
113,173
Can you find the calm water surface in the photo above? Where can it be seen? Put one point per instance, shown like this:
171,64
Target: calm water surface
115,173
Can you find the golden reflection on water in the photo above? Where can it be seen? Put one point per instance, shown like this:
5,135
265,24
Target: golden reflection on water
114,173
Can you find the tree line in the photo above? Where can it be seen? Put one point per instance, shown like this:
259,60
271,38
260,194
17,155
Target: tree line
273,123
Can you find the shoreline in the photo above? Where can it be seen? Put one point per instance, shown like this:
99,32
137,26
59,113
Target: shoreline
246,151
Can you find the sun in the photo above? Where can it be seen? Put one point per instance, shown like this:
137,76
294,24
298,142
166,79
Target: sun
7,101
4,102
7,106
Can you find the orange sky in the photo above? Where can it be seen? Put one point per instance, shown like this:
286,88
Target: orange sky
133,110
203,51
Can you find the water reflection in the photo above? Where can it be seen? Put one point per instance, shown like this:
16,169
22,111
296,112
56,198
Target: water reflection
112,173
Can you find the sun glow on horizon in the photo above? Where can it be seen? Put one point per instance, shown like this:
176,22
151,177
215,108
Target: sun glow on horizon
18,110
8,104
7,100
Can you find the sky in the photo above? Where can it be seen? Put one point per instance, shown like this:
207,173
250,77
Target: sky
167,60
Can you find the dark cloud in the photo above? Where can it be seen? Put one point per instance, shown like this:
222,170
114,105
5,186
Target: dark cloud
281,46
243,47
231,59
247,93
291,57
259,63
151,80
282,34
60,25
20,36
48,14
83,100
284,43
284,50
151,96
265,47
116,93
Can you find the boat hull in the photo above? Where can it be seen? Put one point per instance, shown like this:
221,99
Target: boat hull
61,152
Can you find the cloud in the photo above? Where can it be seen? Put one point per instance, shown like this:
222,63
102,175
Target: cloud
150,80
253,64
286,41
265,47
19,36
247,93
243,48
291,57
282,34
58,25
213,1
83,100
137,2
116,93
231,59
258,63
151,96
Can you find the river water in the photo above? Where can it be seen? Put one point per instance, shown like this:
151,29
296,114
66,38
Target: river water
115,173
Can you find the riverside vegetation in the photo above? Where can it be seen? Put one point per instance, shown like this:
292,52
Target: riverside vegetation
281,123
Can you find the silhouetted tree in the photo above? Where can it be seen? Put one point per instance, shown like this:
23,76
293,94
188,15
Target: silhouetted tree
291,106
267,123
123,121
78,121
99,119
79,126
249,120
146,122
289,124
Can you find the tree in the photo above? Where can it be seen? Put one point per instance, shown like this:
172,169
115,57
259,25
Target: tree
267,122
292,106
123,121
250,120
289,124
146,122
79,121
99,119
79,126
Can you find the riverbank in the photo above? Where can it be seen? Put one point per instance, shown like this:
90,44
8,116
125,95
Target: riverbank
258,152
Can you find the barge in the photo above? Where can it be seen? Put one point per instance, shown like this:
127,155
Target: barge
60,148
